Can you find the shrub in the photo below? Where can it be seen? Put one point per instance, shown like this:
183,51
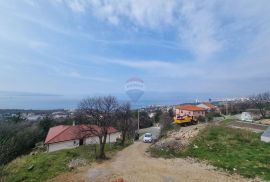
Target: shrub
201,119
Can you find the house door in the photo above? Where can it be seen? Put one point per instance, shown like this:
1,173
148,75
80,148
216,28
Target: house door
81,141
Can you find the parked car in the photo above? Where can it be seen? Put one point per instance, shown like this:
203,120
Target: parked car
148,138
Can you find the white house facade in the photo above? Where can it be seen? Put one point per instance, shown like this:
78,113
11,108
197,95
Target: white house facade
68,136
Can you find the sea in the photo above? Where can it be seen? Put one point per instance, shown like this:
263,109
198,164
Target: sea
46,102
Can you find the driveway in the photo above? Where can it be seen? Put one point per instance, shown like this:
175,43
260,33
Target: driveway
154,130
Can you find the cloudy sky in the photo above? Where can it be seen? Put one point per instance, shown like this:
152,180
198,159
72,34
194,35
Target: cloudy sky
94,46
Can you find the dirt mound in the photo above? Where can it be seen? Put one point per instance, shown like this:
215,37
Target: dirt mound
171,144
177,140
264,121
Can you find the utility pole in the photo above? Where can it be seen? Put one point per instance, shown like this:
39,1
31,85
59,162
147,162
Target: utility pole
138,120
226,107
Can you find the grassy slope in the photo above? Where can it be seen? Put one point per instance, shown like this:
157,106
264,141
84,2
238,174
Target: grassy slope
234,150
48,165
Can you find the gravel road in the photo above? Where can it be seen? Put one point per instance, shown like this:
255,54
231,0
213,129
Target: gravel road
133,164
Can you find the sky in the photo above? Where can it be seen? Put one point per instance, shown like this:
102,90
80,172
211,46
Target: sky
74,47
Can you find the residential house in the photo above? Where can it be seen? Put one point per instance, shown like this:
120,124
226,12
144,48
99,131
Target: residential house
208,106
189,110
71,136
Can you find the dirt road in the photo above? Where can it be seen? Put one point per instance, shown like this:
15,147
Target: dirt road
133,164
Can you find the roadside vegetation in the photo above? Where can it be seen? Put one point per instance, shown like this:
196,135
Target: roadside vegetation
43,166
234,150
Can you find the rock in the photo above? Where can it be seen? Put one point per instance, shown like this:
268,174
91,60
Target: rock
33,153
119,180
177,138
76,162
195,146
30,168
170,144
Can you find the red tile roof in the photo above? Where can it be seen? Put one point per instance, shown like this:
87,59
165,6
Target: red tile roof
68,132
211,106
190,107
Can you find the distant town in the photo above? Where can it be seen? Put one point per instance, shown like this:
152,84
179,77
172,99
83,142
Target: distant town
60,114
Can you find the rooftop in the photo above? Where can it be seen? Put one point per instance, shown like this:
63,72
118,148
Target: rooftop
190,107
69,132
208,104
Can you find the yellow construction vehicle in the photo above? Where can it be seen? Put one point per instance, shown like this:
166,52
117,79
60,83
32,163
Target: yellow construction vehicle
184,120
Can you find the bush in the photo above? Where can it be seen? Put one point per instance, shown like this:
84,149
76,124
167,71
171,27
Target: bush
2,173
201,119
118,141
210,115
137,136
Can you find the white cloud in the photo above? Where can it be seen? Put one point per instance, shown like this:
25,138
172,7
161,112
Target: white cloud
151,13
194,21
72,73
205,28
147,65
77,5
199,29
31,3
163,68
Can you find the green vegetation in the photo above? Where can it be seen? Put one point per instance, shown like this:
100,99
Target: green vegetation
211,115
227,121
201,119
157,116
17,139
43,166
167,124
235,150
145,120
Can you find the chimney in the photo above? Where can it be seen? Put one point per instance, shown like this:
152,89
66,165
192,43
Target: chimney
73,123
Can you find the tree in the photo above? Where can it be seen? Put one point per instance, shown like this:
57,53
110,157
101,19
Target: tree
157,115
99,111
17,118
261,101
17,139
145,120
124,120
171,113
45,124
166,123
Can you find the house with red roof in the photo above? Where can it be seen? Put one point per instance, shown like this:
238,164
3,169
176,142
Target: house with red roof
189,110
71,136
208,106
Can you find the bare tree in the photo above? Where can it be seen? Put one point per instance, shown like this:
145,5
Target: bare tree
261,101
166,122
125,121
98,111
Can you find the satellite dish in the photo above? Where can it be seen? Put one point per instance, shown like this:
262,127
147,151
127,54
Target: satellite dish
134,88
